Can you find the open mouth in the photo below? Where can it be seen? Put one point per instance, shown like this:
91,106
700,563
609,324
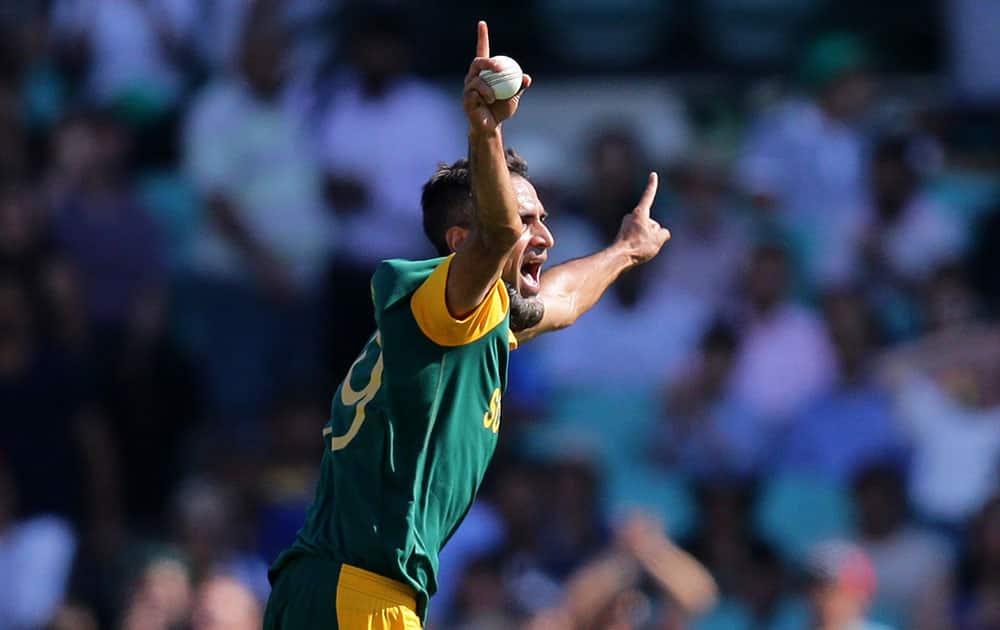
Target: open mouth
531,273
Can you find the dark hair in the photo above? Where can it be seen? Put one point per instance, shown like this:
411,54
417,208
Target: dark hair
447,198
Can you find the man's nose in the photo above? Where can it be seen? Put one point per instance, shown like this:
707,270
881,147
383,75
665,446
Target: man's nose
541,236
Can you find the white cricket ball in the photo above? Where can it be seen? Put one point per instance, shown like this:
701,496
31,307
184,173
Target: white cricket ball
505,83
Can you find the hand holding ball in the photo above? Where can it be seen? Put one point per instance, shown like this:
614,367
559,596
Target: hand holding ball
505,83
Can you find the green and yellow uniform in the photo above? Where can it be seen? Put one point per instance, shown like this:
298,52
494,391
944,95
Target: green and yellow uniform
412,429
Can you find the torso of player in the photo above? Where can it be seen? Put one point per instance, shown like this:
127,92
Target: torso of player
413,427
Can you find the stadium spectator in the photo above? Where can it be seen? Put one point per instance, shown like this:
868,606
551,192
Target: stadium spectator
222,603
899,238
841,583
785,357
103,232
383,132
945,390
135,50
804,160
913,567
852,423
159,597
36,555
708,433
206,529
722,540
711,240
257,260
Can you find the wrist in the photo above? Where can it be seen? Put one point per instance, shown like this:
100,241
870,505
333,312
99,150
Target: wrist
625,254
480,134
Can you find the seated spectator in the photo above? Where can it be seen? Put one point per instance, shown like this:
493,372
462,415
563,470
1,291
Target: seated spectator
979,595
207,532
841,583
481,600
852,423
946,388
707,433
785,357
159,596
899,238
133,47
913,567
100,227
222,603
906,233
709,241
722,542
257,260
36,555
383,132
804,161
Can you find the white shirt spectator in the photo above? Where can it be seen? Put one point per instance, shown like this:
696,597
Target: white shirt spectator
926,234
392,144
812,165
254,153
125,39
783,360
809,161
955,449
36,556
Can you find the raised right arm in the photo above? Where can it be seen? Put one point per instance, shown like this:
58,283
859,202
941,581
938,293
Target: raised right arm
496,225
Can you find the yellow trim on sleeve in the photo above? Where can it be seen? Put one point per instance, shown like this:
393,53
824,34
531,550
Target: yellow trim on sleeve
430,309
511,339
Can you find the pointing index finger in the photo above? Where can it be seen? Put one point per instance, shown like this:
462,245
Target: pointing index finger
482,40
646,201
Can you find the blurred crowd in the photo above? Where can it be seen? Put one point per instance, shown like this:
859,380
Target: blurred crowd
802,392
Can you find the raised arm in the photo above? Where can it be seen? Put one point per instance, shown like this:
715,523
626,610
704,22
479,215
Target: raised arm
497,226
571,289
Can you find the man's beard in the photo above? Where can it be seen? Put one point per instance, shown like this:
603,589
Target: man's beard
525,312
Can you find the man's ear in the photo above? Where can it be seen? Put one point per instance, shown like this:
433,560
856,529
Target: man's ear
455,236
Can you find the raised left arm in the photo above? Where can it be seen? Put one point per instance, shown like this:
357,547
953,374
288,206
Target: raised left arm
571,289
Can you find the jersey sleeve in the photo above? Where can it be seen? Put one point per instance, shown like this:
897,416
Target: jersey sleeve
430,310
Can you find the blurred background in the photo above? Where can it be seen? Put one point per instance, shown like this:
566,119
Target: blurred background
193,196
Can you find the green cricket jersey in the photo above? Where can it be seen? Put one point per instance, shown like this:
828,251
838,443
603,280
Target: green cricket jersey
412,429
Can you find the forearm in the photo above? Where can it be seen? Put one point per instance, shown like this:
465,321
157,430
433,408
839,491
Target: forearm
680,575
571,289
496,217
496,225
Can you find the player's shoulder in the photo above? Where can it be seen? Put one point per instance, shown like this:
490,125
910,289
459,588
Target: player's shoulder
397,278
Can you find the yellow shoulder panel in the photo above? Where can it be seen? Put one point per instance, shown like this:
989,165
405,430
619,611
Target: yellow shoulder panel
431,311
